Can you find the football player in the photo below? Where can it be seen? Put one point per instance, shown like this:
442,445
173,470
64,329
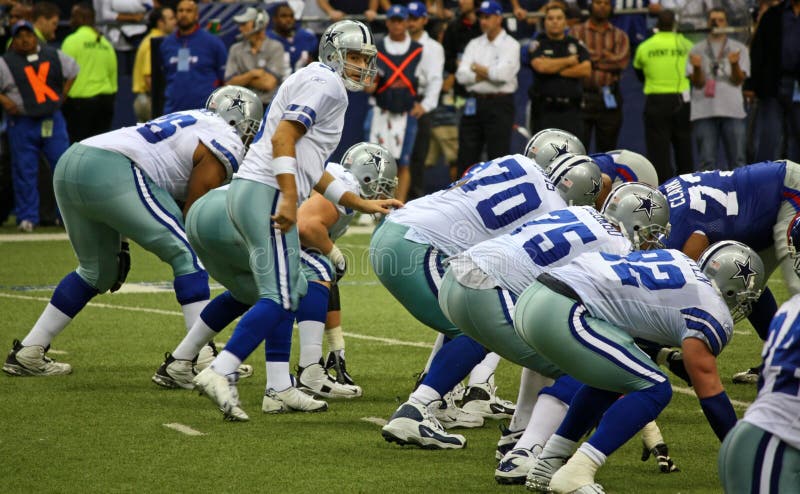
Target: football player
285,161
754,205
763,449
408,248
548,144
583,317
126,184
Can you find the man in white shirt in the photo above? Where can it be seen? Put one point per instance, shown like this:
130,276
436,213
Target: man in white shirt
430,85
488,69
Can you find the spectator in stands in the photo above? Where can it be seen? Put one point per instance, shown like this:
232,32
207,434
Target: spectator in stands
459,32
488,70
300,44
256,62
720,65
34,80
775,57
90,106
193,60
609,55
634,25
430,85
559,62
130,15
338,9
661,62
161,22
45,21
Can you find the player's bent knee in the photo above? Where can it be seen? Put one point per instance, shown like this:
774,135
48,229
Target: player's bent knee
192,287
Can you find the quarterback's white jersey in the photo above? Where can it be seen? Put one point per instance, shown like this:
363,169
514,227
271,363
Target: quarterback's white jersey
316,97
345,215
163,148
491,199
777,406
551,240
660,295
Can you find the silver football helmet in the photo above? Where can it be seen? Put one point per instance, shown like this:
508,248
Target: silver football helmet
639,167
736,272
549,144
240,107
374,167
577,178
344,36
641,213
793,240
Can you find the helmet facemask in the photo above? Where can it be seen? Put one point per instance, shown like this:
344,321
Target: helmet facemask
344,37
737,273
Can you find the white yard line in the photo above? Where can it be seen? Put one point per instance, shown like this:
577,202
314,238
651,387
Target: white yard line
690,392
183,429
375,420
32,237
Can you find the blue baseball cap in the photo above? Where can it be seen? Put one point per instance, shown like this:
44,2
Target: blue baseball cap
397,12
490,7
417,9
19,25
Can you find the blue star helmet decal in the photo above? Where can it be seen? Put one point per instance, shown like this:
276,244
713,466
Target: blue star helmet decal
647,205
560,150
745,272
331,36
595,188
237,103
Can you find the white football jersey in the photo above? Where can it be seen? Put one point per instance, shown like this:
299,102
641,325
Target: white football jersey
493,198
777,406
164,147
345,215
660,295
551,240
316,97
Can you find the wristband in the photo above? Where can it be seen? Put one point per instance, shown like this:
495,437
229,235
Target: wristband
284,164
334,191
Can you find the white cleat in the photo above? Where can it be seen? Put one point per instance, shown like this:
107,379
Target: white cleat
414,424
32,361
222,391
481,399
207,355
453,417
316,380
291,400
575,477
539,476
515,465
508,439
175,373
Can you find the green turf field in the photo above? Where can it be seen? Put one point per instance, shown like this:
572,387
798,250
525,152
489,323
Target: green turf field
102,429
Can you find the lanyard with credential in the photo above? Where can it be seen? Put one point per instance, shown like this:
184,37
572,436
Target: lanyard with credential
715,61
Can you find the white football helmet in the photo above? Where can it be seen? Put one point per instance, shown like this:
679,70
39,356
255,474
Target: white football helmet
374,167
641,213
736,272
549,144
344,36
240,107
639,167
577,178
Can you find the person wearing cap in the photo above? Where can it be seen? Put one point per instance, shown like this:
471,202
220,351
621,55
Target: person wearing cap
193,61
299,43
488,70
161,22
429,92
256,62
559,63
34,81
90,106
402,64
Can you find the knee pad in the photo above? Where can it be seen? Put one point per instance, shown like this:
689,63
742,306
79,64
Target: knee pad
192,287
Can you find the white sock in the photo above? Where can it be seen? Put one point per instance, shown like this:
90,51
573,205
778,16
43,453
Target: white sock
278,376
558,446
547,415
191,312
424,395
436,346
578,472
651,435
594,454
335,338
225,363
311,333
530,383
484,370
195,339
48,326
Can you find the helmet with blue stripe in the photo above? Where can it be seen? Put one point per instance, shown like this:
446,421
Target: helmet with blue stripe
737,273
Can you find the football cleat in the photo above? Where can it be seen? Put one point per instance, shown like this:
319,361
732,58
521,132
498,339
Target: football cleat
33,361
481,399
661,453
452,417
291,399
508,439
458,392
207,355
315,380
515,465
750,376
539,476
335,363
175,373
222,391
415,424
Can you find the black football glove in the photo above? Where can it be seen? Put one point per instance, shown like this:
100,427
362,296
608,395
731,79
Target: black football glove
123,265
674,363
661,453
